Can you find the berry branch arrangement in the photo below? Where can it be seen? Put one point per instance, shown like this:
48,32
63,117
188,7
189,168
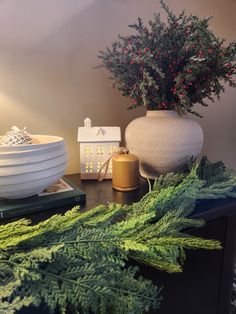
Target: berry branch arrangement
170,66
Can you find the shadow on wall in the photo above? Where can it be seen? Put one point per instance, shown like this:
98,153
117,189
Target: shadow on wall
51,85
57,71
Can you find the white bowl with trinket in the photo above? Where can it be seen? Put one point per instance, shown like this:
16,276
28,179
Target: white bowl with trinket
27,168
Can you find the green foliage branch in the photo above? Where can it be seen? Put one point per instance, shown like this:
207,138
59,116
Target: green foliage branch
172,65
76,262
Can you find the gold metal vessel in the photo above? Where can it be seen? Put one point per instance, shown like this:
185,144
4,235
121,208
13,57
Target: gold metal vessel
125,172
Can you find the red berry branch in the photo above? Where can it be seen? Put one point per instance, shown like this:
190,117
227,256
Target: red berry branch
171,66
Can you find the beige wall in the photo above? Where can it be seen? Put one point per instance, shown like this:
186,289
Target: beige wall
47,82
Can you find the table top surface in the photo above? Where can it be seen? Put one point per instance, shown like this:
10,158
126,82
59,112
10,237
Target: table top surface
102,193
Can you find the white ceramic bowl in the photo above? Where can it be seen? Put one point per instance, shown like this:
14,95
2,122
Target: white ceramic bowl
29,169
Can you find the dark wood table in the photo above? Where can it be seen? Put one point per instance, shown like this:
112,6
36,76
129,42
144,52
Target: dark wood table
205,285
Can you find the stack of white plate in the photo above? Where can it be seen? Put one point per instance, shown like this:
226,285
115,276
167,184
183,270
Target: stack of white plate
27,170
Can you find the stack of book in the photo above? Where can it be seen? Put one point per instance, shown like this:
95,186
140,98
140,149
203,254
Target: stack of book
59,194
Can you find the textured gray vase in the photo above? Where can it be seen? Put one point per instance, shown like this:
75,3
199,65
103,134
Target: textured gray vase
163,141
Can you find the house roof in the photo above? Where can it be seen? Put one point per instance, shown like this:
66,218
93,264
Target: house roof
99,134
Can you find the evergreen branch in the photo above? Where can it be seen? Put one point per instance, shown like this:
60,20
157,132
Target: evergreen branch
190,243
67,248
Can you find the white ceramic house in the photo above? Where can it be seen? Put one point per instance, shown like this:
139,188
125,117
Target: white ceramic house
96,145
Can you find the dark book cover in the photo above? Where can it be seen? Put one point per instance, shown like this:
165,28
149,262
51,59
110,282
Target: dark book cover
60,194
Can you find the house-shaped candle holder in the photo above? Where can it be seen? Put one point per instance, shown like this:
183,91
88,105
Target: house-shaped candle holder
96,145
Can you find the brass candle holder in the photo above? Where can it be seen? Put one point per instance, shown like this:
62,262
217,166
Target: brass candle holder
125,171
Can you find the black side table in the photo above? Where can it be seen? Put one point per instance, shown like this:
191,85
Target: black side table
205,285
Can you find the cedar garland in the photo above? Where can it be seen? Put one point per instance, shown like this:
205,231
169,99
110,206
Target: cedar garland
76,262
